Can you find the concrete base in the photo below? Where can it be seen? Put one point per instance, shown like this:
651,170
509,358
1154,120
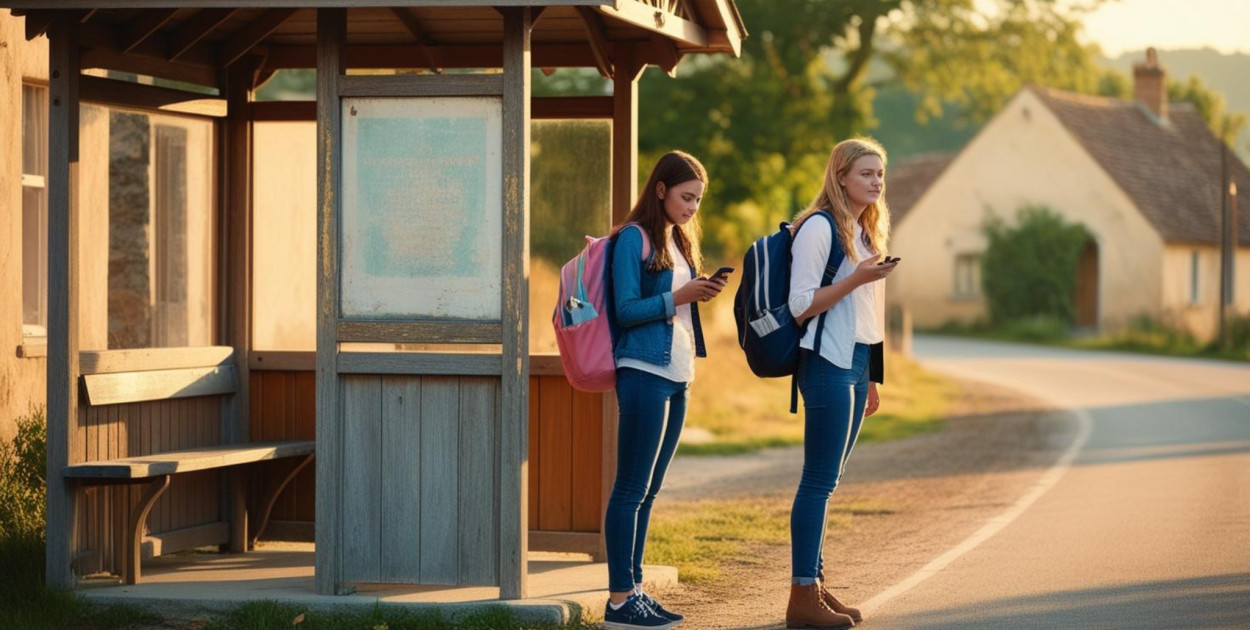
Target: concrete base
560,586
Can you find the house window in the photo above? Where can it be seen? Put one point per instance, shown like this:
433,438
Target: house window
967,276
1193,277
34,211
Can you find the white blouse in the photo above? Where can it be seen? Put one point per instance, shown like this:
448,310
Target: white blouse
856,318
680,368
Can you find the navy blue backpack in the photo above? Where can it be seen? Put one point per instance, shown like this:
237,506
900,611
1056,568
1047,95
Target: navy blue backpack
767,333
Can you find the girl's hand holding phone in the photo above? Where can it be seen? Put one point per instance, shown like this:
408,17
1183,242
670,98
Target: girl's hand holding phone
698,290
873,269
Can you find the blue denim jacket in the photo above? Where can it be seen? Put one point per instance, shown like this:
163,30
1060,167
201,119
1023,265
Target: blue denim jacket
643,304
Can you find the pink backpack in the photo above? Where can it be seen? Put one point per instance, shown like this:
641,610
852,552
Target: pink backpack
581,316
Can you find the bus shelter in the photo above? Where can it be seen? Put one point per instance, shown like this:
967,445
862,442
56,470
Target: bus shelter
422,438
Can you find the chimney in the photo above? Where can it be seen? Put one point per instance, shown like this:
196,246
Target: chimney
1150,85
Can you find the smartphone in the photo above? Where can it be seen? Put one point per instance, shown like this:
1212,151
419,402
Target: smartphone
723,271
888,259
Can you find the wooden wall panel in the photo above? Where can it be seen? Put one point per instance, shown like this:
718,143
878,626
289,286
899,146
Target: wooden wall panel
401,479
586,455
478,468
554,464
283,407
362,478
440,439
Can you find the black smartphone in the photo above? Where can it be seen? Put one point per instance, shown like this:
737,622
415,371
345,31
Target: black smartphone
723,271
888,259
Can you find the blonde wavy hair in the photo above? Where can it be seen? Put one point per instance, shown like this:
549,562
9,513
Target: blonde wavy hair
875,219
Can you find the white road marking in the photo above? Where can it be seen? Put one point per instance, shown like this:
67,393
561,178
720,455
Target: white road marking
996,524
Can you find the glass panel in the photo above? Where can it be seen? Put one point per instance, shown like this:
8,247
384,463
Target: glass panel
146,180
284,241
34,130
422,222
571,185
34,261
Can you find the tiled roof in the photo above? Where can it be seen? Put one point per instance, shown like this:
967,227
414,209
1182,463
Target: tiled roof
908,179
1171,170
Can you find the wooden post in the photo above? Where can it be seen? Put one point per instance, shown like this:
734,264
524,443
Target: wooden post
514,392
62,409
624,130
237,232
331,35
624,193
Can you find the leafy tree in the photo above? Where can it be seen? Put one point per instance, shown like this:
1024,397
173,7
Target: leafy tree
764,124
1028,270
1211,105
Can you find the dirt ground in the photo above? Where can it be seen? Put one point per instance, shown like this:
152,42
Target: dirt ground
927,493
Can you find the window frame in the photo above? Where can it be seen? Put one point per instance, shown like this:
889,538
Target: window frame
34,338
969,262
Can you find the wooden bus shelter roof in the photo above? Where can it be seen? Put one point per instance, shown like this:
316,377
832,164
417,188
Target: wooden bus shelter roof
192,40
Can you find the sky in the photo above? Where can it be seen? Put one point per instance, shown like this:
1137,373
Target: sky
1120,25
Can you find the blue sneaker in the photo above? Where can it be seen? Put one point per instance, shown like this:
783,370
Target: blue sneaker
660,610
634,615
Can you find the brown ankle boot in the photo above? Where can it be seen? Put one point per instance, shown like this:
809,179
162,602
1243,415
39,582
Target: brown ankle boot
807,609
837,606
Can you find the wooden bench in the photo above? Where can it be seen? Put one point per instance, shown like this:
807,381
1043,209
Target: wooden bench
156,470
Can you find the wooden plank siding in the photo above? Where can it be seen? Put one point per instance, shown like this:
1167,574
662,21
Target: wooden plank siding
565,452
135,429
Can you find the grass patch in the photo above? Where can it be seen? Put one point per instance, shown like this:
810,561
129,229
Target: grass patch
698,538
746,413
274,616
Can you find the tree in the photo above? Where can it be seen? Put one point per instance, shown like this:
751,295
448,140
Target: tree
1211,106
764,124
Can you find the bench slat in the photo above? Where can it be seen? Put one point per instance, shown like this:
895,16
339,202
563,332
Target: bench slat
204,458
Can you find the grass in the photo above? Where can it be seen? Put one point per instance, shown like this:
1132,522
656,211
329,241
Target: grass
745,413
699,538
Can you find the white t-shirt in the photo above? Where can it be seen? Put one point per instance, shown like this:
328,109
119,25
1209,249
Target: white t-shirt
680,368
856,318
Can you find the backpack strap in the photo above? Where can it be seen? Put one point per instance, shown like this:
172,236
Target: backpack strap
836,256
646,240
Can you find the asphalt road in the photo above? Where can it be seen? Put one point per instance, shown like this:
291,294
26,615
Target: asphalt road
1144,522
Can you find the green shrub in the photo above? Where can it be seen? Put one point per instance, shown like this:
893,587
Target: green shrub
1041,329
22,509
1028,270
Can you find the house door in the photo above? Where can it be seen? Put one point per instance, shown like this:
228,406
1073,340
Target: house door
1086,298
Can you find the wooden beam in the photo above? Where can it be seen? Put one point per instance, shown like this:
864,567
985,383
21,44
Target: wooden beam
668,52
313,4
576,55
625,131
38,23
253,34
131,387
730,36
283,361
598,39
276,111
196,29
656,20
421,85
62,395
128,94
148,24
440,331
579,107
331,39
513,428
425,363
425,45
110,361
107,59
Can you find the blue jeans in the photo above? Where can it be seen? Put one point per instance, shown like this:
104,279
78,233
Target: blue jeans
652,412
834,400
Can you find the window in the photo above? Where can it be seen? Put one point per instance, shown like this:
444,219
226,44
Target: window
1193,277
967,276
34,211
